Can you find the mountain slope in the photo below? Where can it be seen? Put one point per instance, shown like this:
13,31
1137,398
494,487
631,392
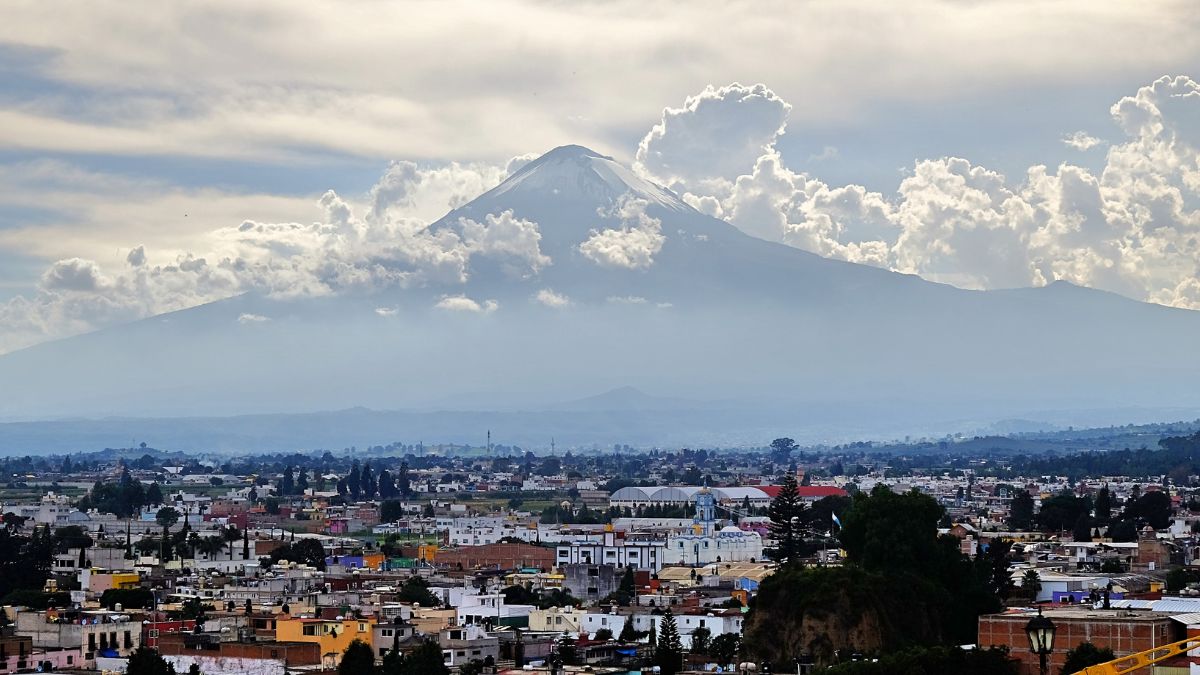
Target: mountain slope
622,284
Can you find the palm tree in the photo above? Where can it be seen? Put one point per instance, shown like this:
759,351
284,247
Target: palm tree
166,517
211,546
230,534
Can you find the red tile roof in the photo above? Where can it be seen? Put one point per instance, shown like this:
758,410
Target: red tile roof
807,491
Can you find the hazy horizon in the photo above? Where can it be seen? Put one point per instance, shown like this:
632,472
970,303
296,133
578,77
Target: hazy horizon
822,212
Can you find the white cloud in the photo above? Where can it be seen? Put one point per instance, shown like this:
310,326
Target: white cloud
461,303
341,252
252,318
549,298
717,134
426,193
289,80
507,237
74,275
632,245
626,300
1134,228
1081,140
386,311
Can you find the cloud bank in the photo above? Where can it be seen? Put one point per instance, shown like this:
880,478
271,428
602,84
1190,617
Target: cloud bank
387,247
1133,227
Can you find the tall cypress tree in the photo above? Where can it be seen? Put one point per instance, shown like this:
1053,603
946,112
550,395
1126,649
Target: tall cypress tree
403,483
367,482
668,653
354,481
786,513
1103,506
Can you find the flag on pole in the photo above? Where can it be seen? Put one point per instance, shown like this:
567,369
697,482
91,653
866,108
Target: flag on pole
837,521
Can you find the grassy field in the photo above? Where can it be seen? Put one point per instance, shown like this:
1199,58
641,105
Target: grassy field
34,493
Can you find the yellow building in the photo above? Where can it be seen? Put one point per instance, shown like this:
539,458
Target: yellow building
98,580
334,635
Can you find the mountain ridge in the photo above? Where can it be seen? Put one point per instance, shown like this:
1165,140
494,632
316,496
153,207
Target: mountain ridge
706,312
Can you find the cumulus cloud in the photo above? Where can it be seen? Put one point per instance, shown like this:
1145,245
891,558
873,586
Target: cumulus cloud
549,298
633,244
1081,140
388,247
410,190
461,303
1132,228
717,134
137,256
74,275
506,236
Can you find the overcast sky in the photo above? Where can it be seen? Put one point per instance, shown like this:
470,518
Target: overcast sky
132,132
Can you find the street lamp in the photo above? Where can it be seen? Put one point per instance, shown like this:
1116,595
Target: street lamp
1040,630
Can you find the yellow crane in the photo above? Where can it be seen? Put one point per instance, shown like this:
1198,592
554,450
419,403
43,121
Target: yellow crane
1134,662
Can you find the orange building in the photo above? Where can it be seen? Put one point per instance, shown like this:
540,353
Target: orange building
333,635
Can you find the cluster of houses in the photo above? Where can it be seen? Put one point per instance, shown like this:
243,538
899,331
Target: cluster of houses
443,569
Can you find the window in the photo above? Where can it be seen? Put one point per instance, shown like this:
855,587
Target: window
362,627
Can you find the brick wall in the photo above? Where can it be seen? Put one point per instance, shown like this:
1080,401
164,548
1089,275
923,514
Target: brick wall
497,556
1120,632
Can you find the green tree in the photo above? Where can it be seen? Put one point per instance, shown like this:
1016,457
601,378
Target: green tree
1060,511
416,589
781,450
288,486
893,532
1020,511
357,659
626,591
725,647
128,598
668,651
166,517
786,513
603,635
1083,655
147,661
403,482
1031,583
1153,508
391,510
354,481
1177,580
1082,530
1103,506
701,640
628,634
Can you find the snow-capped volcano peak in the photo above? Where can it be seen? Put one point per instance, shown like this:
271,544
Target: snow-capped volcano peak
573,172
